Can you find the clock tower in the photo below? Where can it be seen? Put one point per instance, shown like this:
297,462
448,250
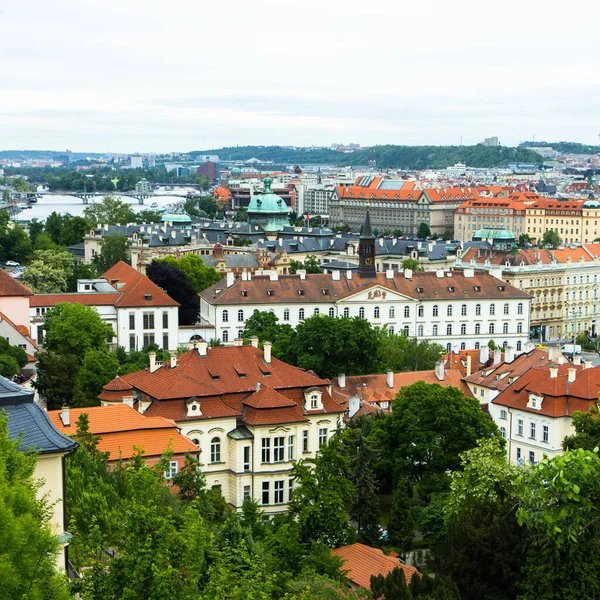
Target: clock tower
366,250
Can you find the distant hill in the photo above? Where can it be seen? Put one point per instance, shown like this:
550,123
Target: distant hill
43,154
570,147
386,157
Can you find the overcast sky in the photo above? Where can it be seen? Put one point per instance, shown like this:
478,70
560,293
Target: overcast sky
132,75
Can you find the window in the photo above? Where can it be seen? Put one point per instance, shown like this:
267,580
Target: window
246,492
246,458
518,454
503,432
449,310
532,430
448,347
172,470
463,329
225,316
290,489
449,330
391,312
165,341
435,310
322,436
301,314
420,311
545,433
240,315
506,308
532,457
148,339
225,336
316,311
376,312
286,314
131,320
505,328
519,327
491,328
215,450
519,346
420,331
492,309
132,342
265,492
503,414
463,346
291,447
434,330
478,309
165,319
520,308
266,450
305,441
405,331
361,312
332,312
278,492
346,312
407,311
520,427
477,328
463,310
314,402
148,320
476,345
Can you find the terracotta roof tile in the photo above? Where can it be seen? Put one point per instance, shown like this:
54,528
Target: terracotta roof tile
9,286
39,300
267,397
272,416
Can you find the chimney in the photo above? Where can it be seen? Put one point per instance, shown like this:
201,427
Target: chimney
497,356
230,279
244,276
408,273
553,372
509,354
258,386
254,341
349,274
218,251
238,342
469,367
273,276
389,274
302,273
202,348
577,360
469,273
571,374
390,379
440,273
65,417
561,359
267,348
152,357
335,275
440,367
128,401
342,380
587,364
173,360
484,354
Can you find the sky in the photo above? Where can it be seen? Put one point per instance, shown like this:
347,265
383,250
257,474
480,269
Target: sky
147,76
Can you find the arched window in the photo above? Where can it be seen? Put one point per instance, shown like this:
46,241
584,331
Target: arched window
434,331
449,330
449,310
391,329
463,329
520,308
476,345
519,327
346,312
463,346
391,312
215,450
421,311
301,314
225,336
477,328
332,312
376,312
448,347
518,346
505,328
405,331
240,315
505,344
463,310
407,311
196,441
225,316
492,309
478,309
506,308
435,310
491,328
420,331
316,311
286,314
361,312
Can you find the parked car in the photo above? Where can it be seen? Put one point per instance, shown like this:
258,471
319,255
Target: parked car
12,263
571,349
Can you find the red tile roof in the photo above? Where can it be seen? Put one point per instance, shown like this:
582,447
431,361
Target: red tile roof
361,562
267,397
22,329
39,300
9,286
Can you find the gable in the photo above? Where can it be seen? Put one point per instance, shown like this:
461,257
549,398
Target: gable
374,294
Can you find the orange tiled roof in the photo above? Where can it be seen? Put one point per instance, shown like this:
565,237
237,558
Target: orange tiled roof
453,194
22,329
9,286
361,562
39,300
367,193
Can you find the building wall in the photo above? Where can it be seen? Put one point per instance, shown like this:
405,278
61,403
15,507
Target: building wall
16,308
134,338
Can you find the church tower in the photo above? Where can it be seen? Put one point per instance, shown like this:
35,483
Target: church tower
366,250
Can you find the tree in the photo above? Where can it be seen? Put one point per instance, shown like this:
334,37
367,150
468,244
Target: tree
97,369
551,238
176,284
109,211
35,228
190,481
429,428
447,235
75,329
400,353
56,375
310,265
29,546
54,226
413,264
524,239
196,272
266,327
12,359
587,430
400,531
113,248
424,232
241,215
148,216
49,271
14,241
74,230
81,271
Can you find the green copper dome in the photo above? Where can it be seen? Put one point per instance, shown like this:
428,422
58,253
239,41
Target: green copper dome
494,234
236,172
268,209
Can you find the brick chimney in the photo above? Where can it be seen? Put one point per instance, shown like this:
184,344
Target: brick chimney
571,375
218,251
342,380
267,348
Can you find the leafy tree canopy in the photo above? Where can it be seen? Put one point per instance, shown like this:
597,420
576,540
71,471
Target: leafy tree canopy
196,272
412,264
310,265
113,248
109,211
49,272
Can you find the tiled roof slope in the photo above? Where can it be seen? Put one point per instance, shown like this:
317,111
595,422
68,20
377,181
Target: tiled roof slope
46,300
361,562
323,288
135,287
9,286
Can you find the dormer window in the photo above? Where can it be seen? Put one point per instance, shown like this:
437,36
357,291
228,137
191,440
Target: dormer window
535,402
193,408
313,399
147,296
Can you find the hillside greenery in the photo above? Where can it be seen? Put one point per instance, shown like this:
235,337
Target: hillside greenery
570,147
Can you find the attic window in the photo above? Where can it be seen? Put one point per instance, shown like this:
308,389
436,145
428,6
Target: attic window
269,292
501,288
147,296
244,293
325,292
450,288
300,292
477,288
240,371
419,290
214,375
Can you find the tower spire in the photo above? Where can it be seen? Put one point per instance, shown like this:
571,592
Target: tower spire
366,249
